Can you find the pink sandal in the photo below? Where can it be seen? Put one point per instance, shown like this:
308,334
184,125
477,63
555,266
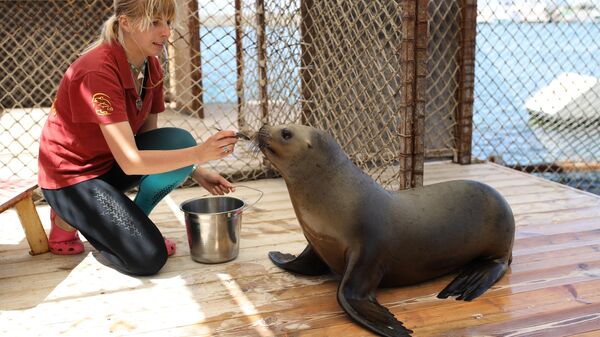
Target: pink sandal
62,242
171,248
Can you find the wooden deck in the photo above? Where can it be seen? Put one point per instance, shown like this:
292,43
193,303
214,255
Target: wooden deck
552,289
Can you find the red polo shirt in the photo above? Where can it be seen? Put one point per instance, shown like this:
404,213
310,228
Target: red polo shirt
97,89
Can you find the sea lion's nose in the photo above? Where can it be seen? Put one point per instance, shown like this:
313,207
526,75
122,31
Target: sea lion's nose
264,128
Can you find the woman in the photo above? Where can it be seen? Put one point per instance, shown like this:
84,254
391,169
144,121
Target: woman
101,139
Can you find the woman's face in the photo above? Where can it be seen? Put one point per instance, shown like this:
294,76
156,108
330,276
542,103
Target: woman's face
150,42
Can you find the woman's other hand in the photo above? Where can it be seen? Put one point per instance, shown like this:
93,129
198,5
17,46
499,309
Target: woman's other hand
212,181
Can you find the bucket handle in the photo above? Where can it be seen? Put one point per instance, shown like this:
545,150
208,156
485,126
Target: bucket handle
255,189
248,187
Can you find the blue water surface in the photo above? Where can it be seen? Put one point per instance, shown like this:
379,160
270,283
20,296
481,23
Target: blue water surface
513,61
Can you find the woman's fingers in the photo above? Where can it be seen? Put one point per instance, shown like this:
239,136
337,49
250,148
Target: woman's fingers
225,134
226,184
225,140
219,145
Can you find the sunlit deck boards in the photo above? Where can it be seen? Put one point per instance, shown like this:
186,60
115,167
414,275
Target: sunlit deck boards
553,288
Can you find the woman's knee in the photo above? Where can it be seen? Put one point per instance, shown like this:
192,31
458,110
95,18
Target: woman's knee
180,138
169,138
149,262
133,261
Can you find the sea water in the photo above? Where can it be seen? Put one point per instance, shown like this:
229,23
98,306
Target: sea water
513,61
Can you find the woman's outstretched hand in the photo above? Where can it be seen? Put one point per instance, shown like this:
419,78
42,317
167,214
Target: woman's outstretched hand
217,146
212,181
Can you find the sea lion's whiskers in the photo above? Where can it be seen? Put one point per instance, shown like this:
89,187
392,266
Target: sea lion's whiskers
255,147
261,134
251,137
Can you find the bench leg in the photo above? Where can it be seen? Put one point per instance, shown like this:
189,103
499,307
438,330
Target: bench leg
34,231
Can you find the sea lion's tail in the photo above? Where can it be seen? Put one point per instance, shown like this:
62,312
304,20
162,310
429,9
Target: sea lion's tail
475,279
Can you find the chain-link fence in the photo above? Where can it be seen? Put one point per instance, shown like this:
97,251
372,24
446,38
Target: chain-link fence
235,64
354,78
391,92
537,88
445,19
38,40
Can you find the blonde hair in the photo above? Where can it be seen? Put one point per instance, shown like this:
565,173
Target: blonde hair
142,13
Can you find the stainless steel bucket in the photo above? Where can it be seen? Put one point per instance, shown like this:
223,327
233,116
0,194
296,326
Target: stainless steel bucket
213,225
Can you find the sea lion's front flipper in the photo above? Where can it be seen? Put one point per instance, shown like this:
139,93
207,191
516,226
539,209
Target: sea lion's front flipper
307,263
356,295
475,279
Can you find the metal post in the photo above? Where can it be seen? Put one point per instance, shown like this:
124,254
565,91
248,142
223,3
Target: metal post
413,92
308,50
239,57
262,60
464,111
196,59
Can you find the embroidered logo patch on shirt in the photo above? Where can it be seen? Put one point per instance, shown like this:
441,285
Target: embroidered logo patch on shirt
101,104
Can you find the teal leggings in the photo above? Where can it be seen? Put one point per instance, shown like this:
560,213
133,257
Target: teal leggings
154,187
114,224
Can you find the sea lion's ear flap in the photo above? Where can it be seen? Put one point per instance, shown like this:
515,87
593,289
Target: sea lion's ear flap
309,144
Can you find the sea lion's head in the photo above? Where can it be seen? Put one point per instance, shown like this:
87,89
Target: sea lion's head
297,150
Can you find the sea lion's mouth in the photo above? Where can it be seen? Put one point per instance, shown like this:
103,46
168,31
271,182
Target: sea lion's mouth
268,151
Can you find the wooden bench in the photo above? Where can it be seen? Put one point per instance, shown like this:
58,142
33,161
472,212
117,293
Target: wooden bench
19,193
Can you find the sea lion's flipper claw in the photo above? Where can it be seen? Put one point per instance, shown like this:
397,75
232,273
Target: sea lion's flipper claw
356,295
307,263
475,279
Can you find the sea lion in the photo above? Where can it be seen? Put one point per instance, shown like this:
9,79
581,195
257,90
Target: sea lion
373,237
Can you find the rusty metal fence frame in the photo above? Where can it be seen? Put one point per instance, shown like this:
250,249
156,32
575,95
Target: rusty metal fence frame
255,35
408,94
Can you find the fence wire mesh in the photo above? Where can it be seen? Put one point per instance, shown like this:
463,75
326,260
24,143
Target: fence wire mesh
230,64
537,88
443,79
38,40
336,65
354,78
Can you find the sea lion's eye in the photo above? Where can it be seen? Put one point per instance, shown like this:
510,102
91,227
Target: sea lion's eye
286,134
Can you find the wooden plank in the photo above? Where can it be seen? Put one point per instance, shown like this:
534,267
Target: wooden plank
568,322
34,231
250,249
551,288
554,206
439,316
523,198
532,283
527,245
585,265
553,218
427,315
13,191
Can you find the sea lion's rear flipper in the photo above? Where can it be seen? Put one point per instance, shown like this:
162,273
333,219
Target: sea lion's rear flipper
475,279
307,263
356,295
